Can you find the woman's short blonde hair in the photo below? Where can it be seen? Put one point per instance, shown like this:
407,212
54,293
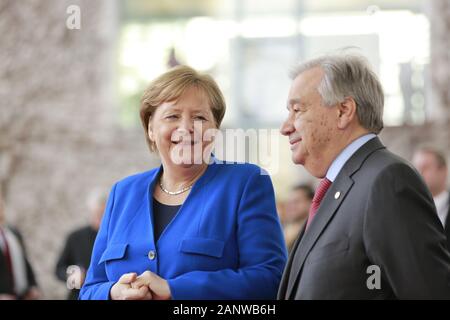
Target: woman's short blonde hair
171,85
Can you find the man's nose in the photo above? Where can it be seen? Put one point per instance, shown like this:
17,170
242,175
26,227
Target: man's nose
287,127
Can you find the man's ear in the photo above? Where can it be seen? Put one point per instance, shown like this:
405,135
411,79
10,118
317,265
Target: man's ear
347,112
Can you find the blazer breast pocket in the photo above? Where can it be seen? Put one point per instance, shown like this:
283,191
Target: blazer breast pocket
114,252
203,246
115,261
329,250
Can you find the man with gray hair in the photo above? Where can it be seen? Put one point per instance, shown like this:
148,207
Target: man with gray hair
372,230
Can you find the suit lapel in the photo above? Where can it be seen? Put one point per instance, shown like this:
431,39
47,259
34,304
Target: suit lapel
328,208
287,271
324,214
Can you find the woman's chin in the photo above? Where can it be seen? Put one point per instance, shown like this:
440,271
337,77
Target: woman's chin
187,157
187,162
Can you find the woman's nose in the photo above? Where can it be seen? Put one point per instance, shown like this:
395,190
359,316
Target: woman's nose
186,125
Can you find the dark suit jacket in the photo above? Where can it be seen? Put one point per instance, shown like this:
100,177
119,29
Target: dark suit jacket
378,212
447,227
5,283
77,251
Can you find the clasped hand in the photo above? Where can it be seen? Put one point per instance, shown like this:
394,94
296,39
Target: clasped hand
147,286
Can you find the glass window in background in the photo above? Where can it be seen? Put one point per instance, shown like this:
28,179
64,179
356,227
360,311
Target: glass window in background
249,46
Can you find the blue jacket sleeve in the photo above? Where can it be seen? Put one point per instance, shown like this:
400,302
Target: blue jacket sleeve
97,284
262,253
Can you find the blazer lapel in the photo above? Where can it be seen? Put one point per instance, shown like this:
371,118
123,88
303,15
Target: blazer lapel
141,215
207,176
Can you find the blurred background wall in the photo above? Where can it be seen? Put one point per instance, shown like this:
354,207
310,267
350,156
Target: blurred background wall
69,99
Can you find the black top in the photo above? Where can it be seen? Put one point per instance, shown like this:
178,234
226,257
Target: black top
77,251
162,215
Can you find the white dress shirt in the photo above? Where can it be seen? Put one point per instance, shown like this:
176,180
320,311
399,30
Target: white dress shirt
441,202
17,260
346,154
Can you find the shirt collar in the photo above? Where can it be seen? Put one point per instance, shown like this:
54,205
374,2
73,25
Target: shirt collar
345,154
441,198
441,202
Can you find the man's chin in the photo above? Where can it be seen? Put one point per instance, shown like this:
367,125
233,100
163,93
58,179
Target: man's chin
298,159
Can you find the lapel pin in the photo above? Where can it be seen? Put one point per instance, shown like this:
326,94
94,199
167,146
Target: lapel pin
337,195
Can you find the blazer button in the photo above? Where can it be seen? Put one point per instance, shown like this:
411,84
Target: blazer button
152,255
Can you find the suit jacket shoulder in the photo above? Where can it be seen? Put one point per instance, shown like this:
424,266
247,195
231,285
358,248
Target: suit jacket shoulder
377,212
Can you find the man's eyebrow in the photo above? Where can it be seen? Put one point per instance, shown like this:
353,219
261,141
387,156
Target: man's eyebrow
291,102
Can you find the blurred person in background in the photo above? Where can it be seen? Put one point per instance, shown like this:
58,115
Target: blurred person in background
432,165
17,280
296,212
75,257
196,227
173,60
281,208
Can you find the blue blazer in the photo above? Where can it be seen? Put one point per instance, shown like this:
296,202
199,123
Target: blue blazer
224,243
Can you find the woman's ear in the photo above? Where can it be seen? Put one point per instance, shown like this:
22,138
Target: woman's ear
150,131
347,112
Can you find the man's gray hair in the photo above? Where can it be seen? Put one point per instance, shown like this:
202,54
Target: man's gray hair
349,75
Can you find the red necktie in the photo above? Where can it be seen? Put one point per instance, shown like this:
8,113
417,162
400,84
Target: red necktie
7,254
318,196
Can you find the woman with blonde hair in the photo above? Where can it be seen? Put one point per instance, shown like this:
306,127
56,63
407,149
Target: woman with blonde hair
194,228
